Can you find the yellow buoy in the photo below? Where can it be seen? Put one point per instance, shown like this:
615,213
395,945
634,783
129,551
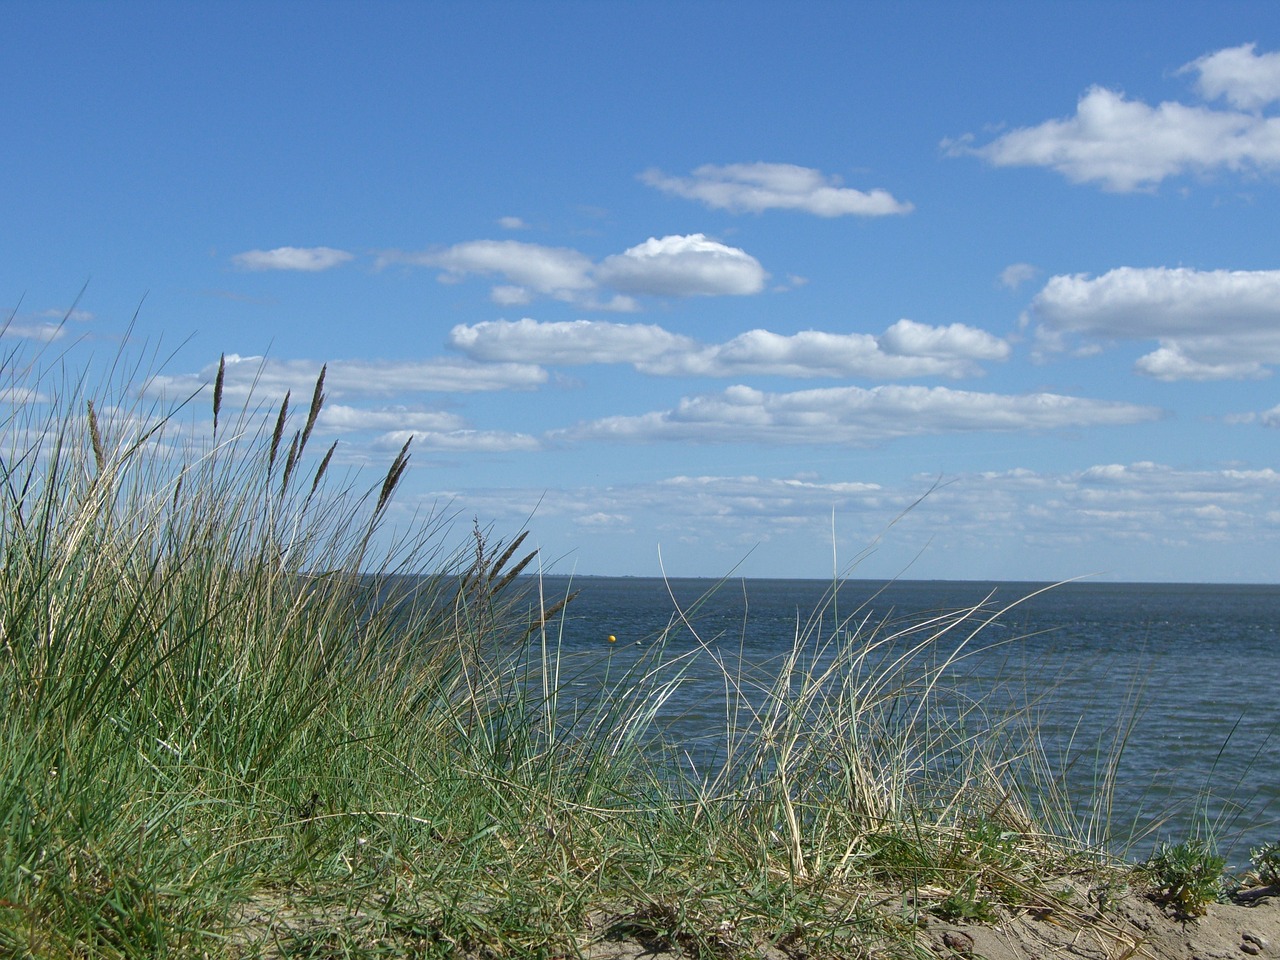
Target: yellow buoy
612,638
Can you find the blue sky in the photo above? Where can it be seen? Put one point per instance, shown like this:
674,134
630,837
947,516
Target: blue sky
685,287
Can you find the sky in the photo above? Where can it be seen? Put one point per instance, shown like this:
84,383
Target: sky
931,290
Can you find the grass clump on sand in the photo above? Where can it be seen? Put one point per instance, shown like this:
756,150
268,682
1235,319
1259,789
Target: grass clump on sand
232,724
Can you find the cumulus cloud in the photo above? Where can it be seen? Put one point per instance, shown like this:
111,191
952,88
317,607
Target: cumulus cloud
567,342
308,259
674,266
682,266
1238,75
1171,363
1127,145
906,349
756,187
269,379
956,341
558,271
813,353
341,418
853,415
1160,301
1211,325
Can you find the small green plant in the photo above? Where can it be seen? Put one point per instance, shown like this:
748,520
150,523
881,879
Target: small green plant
1186,875
1108,893
1266,860
965,906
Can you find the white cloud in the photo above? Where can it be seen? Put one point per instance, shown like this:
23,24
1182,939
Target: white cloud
1171,363
611,522
1141,503
956,341
853,415
575,342
268,379
682,266
43,332
510,296
1036,525
44,326
460,441
20,396
512,223
618,303
1016,274
1131,302
339,418
1127,145
1244,79
1218,324
1267,418
76,314
691,503
812,353
755,187
548,270
431,430
672,266
309,259
906,349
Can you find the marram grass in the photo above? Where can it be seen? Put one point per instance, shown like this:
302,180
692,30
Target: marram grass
234,722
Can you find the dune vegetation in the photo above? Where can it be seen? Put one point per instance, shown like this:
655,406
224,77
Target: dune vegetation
240,715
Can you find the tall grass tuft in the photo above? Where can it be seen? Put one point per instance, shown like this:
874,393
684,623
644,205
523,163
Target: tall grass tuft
199,662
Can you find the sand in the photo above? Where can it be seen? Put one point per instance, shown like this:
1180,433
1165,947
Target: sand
1132,926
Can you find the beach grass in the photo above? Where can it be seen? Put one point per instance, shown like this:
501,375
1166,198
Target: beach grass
240,715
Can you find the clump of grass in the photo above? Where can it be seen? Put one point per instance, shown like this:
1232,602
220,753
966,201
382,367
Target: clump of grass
1266,862
239,717
210,670
1188,875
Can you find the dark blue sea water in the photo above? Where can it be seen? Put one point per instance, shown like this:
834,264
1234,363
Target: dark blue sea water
1185,677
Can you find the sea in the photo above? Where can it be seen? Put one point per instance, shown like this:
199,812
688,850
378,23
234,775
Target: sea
1155,707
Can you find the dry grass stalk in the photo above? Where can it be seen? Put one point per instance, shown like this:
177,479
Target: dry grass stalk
217,389
317,401
278,433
